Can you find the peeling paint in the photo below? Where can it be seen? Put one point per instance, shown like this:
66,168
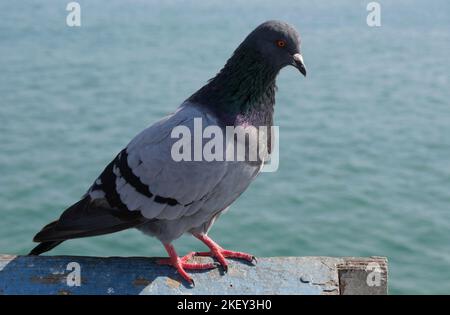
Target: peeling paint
138,275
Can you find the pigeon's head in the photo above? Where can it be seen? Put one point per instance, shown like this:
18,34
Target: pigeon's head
278,43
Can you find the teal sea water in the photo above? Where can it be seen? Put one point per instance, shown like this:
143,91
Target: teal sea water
364,139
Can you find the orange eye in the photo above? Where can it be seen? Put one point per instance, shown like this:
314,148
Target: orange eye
281,43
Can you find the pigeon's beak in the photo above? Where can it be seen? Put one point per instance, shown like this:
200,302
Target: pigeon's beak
299,64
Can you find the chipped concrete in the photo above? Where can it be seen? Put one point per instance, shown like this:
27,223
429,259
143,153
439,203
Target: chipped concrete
137,275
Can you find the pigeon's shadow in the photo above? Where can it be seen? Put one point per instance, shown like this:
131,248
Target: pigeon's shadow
245,262
171,273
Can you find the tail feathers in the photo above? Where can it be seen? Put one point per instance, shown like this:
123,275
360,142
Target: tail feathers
48,227
82,219
44,247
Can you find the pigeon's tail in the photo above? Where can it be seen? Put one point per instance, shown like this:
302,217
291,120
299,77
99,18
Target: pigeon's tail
44,247
82,219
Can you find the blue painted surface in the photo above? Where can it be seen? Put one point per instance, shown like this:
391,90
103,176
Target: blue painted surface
136,275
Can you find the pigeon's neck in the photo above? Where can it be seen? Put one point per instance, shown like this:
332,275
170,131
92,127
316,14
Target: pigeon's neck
243,91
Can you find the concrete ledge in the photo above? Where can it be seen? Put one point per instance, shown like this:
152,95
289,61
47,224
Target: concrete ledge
136,275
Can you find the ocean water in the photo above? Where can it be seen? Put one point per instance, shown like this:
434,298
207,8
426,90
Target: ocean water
364,139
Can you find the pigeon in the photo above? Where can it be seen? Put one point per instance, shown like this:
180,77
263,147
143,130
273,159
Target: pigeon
145,188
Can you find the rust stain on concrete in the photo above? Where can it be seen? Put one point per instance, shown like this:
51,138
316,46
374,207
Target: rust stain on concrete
172,283
49,279
140,281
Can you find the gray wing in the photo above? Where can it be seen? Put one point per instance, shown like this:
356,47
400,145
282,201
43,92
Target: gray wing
146,178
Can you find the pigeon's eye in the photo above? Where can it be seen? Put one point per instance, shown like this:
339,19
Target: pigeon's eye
281,43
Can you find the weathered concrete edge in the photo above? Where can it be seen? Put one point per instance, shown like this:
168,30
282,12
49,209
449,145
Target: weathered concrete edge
363,276
276,275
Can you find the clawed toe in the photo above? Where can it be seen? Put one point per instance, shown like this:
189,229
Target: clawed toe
182,264
221,254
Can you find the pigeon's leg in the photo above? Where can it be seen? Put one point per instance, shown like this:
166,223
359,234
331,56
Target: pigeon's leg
182,263
219,253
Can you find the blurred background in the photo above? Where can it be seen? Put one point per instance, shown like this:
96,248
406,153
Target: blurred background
364,139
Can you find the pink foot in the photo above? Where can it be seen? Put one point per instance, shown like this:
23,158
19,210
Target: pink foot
220,254
181,264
